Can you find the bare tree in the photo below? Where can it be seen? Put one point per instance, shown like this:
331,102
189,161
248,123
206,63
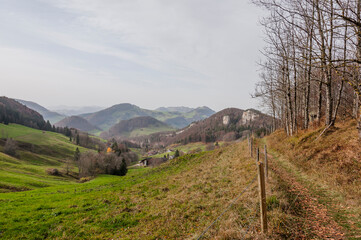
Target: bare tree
313,47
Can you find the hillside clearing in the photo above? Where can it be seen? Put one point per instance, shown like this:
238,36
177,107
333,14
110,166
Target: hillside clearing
37,151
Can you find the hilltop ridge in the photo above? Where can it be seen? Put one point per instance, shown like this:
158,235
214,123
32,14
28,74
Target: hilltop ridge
78,123
135,127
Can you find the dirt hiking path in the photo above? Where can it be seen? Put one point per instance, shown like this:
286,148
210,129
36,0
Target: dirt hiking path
316,217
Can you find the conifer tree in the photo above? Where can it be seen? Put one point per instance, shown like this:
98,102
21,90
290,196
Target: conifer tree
76,154
176,154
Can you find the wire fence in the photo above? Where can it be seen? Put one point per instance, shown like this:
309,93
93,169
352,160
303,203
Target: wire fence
228,207
252,219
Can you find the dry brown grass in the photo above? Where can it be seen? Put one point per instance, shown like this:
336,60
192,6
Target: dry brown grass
330,166
335,158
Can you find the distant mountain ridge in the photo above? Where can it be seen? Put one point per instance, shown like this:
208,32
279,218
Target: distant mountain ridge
135,127
76,122
103,120
73,111
53,117
108,117
182,120
175,109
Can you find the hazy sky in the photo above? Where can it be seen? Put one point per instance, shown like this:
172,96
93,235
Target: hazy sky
147,52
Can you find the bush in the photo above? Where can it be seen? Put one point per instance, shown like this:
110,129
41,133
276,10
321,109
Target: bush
53,171
10,147
84,179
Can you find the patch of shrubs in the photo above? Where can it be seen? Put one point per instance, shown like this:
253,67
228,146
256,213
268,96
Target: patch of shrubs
92,163
53,171
84,179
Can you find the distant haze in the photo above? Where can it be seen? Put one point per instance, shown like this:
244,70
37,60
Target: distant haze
75,110
151,53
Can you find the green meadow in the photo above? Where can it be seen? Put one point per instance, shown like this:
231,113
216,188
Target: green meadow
173,201
38,151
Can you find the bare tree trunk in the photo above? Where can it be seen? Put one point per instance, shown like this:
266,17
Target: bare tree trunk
309,73
323,59
337,105
329,100
294,119
319,100
359,59
355,106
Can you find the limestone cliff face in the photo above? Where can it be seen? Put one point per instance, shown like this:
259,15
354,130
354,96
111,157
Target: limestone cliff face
249,116
226,120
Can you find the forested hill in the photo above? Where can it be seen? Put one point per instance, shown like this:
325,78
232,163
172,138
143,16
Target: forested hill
226,125
12,111
53,117
136,127
76,122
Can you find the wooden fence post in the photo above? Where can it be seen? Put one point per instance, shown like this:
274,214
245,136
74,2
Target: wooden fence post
265,162
251,148
257,155
262,196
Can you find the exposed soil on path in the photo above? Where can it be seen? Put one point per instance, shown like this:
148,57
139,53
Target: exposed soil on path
317,220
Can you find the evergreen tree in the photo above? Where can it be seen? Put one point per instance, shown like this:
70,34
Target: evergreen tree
123,168
48,126
77,139
115,148
76,155
176,154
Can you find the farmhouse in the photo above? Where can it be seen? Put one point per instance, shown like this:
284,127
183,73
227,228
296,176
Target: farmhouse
151,162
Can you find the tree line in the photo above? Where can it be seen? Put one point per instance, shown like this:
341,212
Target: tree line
311,71
32,119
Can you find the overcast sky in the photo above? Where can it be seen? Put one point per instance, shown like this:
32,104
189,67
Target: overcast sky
150,53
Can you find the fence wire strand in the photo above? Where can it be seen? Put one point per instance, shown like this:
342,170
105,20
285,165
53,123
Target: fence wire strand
227,208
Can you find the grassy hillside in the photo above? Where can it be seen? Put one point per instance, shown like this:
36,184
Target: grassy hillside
38,151
174,201
187,149
308,197
55,143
